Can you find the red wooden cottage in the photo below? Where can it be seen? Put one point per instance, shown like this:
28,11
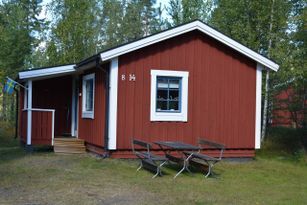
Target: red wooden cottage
187,82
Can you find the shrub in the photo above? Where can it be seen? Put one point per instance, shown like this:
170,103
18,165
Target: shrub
288,140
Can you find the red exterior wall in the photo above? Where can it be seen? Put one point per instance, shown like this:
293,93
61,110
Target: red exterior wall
41,128
55,93
221,99
281,116
92,130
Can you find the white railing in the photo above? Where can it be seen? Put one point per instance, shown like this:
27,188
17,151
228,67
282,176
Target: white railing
41,110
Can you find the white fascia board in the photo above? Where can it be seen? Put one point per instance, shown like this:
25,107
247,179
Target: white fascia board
46,72
195,25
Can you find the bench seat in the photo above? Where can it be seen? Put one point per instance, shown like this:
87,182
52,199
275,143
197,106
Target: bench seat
151,156
203,156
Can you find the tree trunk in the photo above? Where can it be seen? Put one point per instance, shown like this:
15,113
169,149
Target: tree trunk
267,78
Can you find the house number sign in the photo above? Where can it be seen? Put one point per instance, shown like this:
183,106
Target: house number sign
131,77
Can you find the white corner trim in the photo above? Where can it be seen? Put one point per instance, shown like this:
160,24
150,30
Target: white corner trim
112,126
167,116
29,117
195,25
25,97
46,72
258,106
73,106
88,114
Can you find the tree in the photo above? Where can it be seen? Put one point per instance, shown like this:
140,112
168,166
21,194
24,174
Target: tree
112,17
18,28
182,11
125,21
74,32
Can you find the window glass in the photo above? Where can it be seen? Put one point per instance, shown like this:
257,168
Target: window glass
168,94
89,85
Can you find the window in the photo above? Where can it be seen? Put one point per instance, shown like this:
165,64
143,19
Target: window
169,95
88,91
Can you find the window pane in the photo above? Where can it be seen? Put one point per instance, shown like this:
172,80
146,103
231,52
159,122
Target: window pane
174,83
168,94
89,84
161,105
173,105
174,94
162,94
162,83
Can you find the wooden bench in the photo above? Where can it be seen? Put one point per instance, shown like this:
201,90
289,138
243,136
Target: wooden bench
204,161
148,160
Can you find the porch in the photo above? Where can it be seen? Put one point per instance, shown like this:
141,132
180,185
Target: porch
49,111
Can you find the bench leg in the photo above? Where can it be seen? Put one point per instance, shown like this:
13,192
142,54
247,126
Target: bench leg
185,166
157,173
141,165
209,170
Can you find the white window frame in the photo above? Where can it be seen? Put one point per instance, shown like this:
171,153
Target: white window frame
181,116
88,114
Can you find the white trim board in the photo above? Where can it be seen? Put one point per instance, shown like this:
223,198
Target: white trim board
47,72
85,113
181,116
29,117
112,126
195,25
258,106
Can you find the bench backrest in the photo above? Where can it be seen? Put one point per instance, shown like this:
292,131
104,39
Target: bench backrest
211,143
141,144
208,143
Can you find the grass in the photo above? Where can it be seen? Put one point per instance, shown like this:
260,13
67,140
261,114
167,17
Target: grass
48,178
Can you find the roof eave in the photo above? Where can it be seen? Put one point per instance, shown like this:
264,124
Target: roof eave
47,72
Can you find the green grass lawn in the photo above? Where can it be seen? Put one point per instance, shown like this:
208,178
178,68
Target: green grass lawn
48,178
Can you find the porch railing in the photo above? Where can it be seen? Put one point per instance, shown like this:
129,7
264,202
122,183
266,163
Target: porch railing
42,126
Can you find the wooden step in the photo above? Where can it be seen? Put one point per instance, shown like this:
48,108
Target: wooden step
69,146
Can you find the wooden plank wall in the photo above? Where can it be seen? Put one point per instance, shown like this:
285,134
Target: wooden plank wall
92,130
221,99
41,128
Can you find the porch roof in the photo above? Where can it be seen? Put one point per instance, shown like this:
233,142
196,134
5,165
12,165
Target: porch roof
47,71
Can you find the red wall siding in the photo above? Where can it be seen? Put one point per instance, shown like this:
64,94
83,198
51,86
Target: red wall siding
92,130
41,128
281,115
221,101
55,93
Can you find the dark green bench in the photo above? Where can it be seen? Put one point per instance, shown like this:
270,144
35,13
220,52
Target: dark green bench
148,160
203,161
